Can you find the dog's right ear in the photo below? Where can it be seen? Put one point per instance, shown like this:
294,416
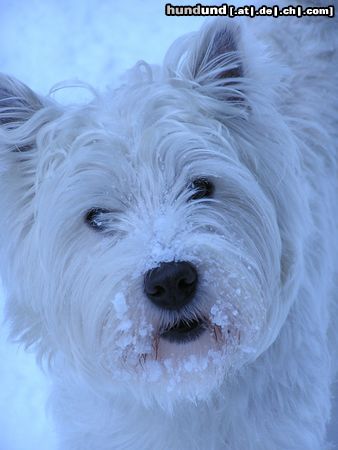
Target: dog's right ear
17,102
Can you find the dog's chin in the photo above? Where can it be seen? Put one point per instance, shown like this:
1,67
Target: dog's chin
186,367
184,358
191,360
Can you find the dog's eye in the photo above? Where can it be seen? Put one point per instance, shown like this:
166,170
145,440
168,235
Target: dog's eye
96,218
202,187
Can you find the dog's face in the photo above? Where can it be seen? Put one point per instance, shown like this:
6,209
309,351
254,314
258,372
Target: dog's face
147,230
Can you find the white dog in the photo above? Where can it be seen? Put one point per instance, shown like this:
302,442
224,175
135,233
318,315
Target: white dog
170,248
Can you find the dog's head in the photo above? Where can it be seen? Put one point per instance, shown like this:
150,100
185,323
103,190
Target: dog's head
151,237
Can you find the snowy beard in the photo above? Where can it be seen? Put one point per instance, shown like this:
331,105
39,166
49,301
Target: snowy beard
232,312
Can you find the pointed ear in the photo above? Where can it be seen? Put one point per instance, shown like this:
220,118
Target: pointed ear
215,53
17,102
212,59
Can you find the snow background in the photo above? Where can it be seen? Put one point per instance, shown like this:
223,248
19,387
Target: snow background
43,43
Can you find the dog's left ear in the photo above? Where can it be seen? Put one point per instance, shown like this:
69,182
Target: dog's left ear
215,55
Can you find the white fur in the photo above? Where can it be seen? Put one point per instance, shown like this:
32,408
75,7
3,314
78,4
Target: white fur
265,245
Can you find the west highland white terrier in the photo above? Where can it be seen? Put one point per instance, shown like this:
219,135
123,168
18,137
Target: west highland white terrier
169,250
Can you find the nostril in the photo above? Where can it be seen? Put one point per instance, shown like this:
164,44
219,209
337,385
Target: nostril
187,283
184,283
156,291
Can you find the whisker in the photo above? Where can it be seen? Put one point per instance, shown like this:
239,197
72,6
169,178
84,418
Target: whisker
218,333
142,359
155,345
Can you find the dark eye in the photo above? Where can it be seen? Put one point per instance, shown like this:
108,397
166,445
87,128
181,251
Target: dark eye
202,187
96,218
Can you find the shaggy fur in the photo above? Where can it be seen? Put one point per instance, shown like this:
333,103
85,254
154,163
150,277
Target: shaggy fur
250,106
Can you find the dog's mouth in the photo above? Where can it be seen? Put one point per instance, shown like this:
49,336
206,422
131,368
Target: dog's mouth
184,331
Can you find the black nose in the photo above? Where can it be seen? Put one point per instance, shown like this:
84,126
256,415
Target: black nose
171,285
